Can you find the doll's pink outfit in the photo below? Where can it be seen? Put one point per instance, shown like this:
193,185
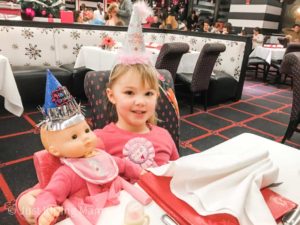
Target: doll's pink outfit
150,149
84,186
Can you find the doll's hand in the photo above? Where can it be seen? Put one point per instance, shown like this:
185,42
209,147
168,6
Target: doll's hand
25,205
50,215
143,172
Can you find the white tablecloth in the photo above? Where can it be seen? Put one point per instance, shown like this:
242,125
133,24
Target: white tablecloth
99,59
8,88
188,62
268,54
285,157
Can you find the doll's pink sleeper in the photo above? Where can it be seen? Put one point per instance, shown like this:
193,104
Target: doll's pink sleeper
88,185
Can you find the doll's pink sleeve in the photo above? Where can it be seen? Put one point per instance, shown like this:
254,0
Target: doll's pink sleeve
137,193
127,169
62,183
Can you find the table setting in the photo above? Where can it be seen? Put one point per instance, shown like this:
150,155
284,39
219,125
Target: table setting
269,52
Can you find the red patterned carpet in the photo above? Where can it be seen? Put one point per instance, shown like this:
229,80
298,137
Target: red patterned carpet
263,110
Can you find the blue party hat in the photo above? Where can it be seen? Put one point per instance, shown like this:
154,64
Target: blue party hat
52,86
60,109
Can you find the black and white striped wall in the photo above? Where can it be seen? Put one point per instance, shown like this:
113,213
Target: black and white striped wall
265,14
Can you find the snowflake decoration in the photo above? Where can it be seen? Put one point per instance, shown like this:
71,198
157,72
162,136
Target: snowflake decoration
219,61
115,34
6,29
33,52
44,31
172,38
27,33
182,37
57,30
76,49
75,35
15,46
46,64
153,37
193,41
90,32
237,72
104,34
58,63
232,43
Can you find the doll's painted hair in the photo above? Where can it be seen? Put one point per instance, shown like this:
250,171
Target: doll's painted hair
149,77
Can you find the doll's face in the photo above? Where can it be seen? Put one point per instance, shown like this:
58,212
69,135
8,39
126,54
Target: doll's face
73,142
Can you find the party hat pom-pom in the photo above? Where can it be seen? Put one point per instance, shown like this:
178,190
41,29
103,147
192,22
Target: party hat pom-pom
142,9
133,51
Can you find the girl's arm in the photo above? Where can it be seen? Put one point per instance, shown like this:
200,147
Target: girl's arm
135,192
128,169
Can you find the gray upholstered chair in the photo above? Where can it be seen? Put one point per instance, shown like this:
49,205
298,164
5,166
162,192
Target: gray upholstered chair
170,56
198,81
258,65
101,114
276,65
291,65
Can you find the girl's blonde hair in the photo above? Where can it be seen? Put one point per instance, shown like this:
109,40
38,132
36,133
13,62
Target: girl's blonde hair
149,77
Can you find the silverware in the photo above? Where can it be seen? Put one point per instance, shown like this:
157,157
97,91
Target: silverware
167,220
292,218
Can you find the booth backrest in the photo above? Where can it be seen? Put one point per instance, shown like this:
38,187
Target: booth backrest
54,46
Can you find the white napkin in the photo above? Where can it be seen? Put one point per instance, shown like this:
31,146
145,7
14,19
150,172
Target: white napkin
9,89
224,182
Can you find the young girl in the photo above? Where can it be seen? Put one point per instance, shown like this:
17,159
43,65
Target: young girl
133,90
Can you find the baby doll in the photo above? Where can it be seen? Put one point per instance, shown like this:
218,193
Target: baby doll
88,178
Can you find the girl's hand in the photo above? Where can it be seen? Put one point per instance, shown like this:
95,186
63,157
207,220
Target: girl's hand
50,215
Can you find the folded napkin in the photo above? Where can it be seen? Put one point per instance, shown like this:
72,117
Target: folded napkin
224,182
9,89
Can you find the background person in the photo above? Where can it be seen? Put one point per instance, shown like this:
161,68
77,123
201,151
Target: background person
99,13
292,34
113,18
257,37
125,10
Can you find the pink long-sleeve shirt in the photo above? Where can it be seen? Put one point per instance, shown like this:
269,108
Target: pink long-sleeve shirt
150,149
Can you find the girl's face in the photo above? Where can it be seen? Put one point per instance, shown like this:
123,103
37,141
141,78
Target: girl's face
135,103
